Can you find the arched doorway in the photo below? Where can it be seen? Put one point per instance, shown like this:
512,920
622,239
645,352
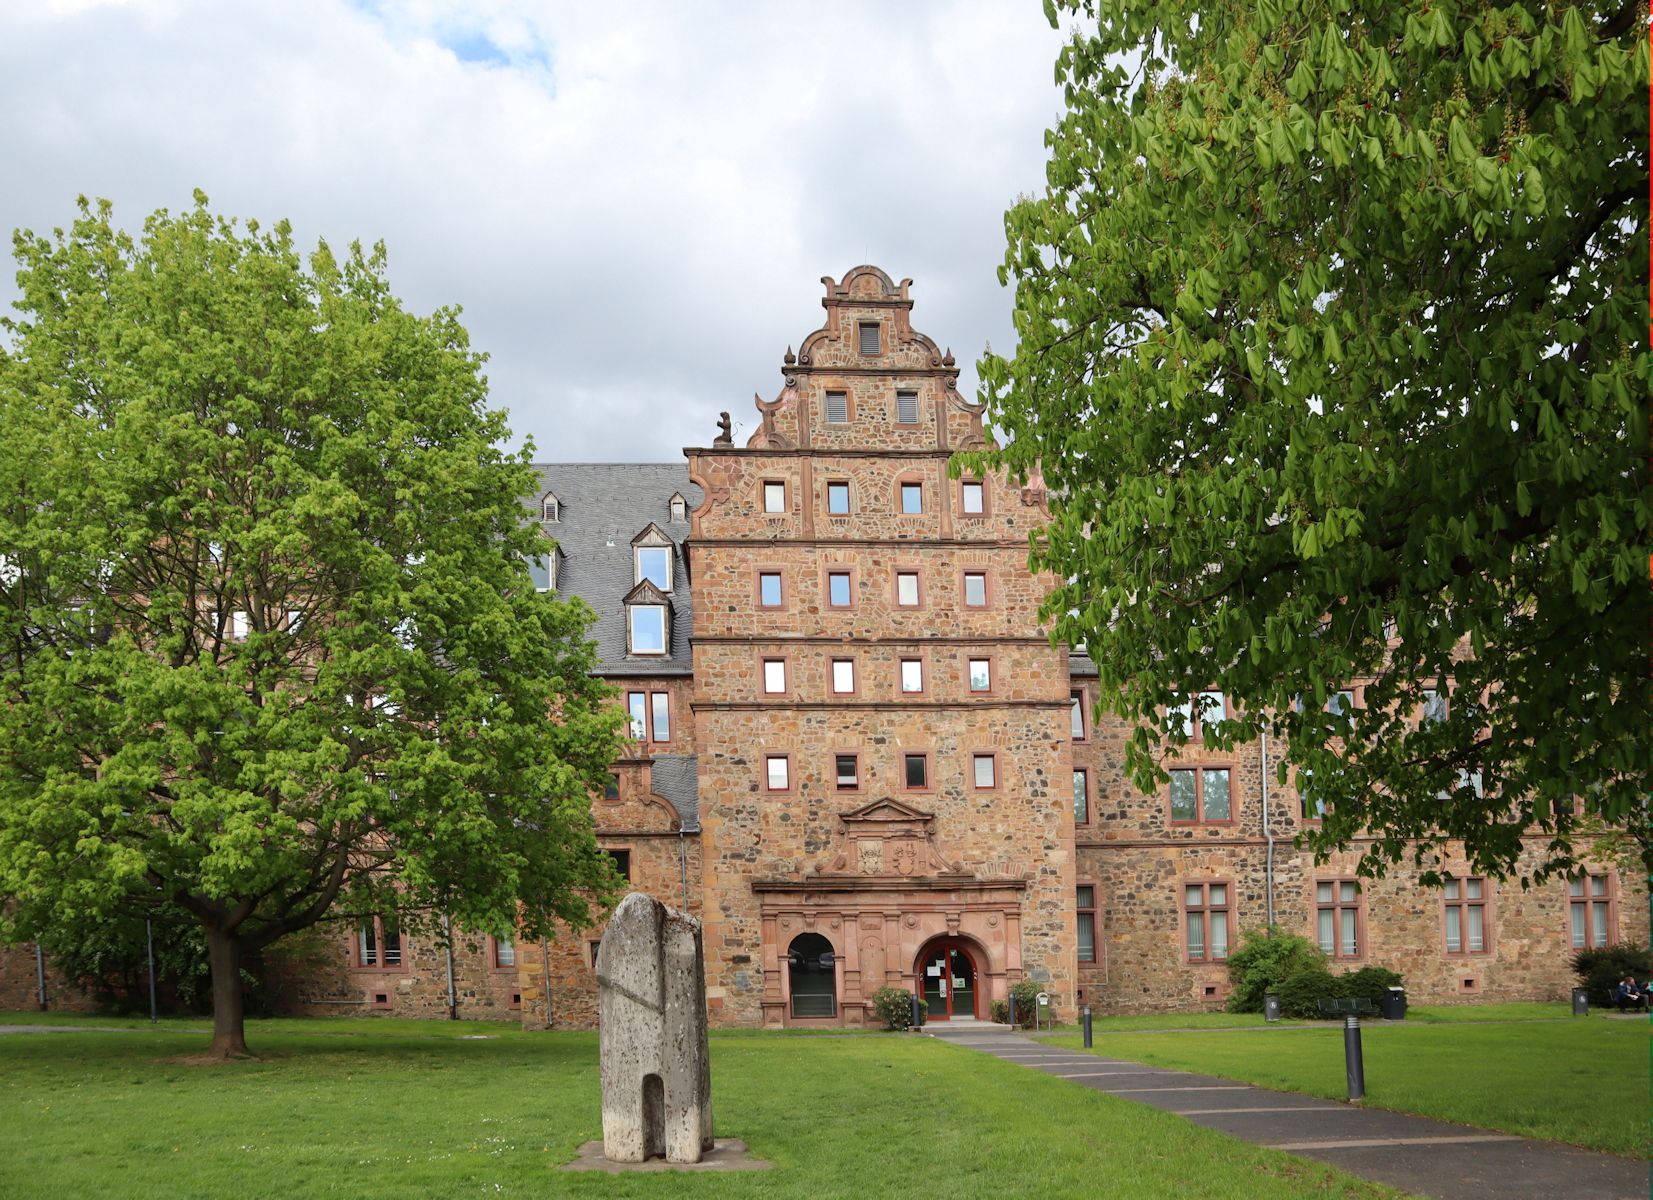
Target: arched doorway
812,976
950,976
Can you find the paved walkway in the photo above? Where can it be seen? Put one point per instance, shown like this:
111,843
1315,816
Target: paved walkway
1415,1154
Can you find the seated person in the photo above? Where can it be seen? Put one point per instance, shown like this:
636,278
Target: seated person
1630,995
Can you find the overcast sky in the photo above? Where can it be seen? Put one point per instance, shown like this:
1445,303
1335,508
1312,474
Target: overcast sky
634,204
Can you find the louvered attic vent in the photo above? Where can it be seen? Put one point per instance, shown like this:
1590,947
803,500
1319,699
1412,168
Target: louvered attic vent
906,407
837,406
869,338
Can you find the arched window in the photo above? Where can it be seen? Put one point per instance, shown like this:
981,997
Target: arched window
810,967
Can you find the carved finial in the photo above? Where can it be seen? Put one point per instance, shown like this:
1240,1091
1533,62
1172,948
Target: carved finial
790,358
725,437
947,359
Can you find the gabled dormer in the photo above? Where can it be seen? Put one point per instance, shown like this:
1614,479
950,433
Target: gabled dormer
550,508
654,557
677,508
648,621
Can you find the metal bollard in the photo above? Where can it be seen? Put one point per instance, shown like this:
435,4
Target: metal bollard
917,1021
1087,1013
1353,1059
1012,1010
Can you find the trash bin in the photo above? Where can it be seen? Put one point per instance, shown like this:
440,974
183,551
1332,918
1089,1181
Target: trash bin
1393,1005
1581,1002
1271,1006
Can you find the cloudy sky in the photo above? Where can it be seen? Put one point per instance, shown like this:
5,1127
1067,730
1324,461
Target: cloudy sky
634,204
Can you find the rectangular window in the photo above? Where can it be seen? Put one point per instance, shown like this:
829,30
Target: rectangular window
621,862
378,943
660,712
915,770
1466,915
1076,716
1197,712
769,589
1590,911
611,789
505,953
1314,805
837,408
777,772
974,500
837,498
637,706
1081,798
981,674
1434,705
648,629
912,675
1205,911
906,589
985,770
869,337
975,589
843,675
912,498
838,590
774,496
847,770
1085,904
1338,917
655,565
774,676
1199,795
238,625
1342,703
906,408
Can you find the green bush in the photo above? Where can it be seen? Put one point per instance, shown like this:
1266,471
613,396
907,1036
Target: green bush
1371,983
999,1011
1301,993
894,1007
1600,971
1266,959
1027,1001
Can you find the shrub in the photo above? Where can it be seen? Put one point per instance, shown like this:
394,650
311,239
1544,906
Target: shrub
999,1011
1301,993
894,1007
1600,971
1267,958
1027,1001
1371,983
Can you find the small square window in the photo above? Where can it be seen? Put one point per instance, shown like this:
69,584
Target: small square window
912,498
906,589
837,408
906,408
912,675
975,589
916,770
837,498
848,771
774,496
981,675
869,337
838,589
769,589
777,772
985,769
774,676
843,675
974,500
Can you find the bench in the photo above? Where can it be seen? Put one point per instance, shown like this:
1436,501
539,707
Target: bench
1354,1006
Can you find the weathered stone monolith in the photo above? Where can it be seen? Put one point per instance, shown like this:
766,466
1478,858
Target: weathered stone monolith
651,1005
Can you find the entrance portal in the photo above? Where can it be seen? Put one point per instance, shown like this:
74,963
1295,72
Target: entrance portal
948,971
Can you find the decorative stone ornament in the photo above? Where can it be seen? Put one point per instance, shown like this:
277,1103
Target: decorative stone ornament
651,1008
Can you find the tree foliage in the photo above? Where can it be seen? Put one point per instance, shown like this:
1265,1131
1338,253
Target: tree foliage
269,646
1330,354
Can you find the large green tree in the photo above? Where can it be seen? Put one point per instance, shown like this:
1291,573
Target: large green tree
1330,322
269,647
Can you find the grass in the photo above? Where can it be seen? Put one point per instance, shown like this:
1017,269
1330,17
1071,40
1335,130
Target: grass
375,1108
1433,1014
1579,1081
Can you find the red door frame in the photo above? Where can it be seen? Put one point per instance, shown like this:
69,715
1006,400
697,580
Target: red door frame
928,952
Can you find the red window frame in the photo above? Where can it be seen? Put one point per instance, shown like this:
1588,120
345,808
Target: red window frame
837,784
992,756
1202,912
1456,903
1198,771
1081,911
1583,900
768,785
1081,795
1337,905
929,773
381,950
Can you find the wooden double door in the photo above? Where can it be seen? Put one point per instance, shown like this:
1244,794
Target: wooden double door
950,981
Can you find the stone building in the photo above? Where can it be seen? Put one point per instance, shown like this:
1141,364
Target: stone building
857,757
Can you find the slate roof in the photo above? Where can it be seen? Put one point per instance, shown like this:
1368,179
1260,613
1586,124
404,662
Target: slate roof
603,507
1081,665
677,778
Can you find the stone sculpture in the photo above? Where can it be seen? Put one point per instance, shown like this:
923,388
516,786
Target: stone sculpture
651,1005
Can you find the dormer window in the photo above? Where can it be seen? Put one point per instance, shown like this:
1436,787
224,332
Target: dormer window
647,628
679,507
869,337
550,508
654,563
542,568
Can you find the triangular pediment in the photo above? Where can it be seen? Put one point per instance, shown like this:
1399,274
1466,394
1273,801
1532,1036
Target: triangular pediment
646,593
887,809
652,535
887,839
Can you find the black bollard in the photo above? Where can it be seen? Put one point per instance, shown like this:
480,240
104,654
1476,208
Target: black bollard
1352,1057
1087,1012
915,1022
1012,1010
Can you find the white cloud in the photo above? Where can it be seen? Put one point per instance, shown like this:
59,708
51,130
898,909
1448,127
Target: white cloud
634,206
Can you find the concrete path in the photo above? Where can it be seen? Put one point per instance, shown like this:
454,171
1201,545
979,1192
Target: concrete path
1415,1154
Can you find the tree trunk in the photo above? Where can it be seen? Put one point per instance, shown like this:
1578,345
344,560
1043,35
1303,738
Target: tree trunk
229,1033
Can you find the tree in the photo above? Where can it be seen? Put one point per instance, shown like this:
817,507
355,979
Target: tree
1330,356
269,647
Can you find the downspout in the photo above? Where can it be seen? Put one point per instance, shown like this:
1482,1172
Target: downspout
545,964
447,937
40,976
1268,836
683,866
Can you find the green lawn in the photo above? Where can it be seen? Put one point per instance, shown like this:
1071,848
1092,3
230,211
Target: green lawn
408,1109
1432,1014
1583,1081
